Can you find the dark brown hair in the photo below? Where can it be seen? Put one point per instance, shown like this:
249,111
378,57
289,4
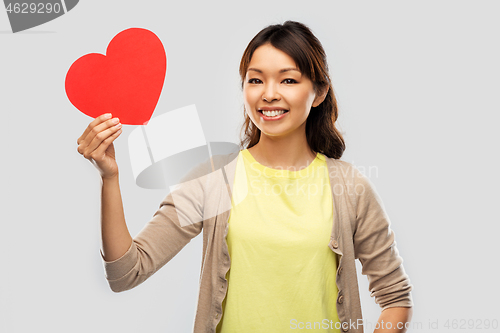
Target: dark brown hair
297,40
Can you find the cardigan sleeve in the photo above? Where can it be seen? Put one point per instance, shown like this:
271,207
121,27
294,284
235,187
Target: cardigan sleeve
178,220
375,247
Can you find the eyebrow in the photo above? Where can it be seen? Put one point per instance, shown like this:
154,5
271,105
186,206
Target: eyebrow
281,71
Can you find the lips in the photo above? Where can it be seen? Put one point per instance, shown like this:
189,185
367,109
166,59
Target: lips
271,108
274,110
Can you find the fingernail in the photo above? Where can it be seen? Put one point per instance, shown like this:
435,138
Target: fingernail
107,115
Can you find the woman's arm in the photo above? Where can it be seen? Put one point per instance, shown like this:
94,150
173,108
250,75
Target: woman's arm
375,247
394,320
116,238
178,219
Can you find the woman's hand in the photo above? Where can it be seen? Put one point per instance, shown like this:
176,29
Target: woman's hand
96,144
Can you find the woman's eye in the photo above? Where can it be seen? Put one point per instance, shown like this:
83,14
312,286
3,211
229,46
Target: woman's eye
257,81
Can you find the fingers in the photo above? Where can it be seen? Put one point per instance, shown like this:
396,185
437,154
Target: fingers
97,132
94,123
99,152
101,136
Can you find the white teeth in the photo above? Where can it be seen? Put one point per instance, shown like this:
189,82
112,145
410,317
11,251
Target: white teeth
273,113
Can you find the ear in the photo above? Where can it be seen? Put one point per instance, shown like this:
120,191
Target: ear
320,97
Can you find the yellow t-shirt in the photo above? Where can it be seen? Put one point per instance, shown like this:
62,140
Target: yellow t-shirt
282,274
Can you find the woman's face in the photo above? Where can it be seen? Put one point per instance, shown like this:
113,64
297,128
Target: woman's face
274,82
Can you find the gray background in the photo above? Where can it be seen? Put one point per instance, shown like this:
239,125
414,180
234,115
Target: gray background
417,85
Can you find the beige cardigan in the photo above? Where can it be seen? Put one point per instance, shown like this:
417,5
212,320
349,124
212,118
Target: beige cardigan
360,230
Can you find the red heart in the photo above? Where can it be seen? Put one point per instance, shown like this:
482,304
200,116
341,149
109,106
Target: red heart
125,82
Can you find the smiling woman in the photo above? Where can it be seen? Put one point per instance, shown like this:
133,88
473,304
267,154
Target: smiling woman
279,251
281,267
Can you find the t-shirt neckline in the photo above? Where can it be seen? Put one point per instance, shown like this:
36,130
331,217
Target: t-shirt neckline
282,173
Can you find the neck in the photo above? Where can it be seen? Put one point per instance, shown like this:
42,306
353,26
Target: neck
290,153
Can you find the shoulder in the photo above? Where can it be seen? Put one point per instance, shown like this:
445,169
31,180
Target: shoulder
209,166
358,186
223,160
349,173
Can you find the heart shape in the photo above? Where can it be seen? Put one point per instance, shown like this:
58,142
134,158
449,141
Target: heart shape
126,82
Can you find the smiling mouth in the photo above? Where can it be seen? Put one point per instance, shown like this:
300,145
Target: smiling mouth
271,112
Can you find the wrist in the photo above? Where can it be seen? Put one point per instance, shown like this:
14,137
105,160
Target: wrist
110,179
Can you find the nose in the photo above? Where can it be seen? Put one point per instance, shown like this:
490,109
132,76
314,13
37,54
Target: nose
270,93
